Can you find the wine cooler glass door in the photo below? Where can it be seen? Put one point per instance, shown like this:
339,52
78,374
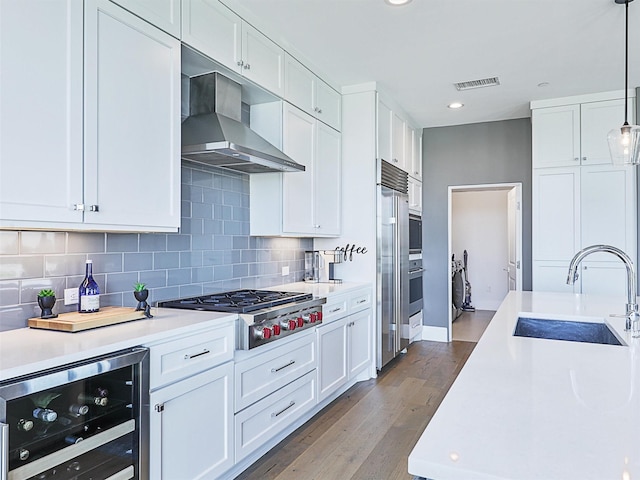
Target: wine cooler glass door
81,421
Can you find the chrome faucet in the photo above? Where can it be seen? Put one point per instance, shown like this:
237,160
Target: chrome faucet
633,319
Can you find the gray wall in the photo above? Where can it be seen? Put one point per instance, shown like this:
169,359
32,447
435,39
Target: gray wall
212,252
481,153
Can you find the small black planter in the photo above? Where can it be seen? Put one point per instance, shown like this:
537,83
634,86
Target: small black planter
46,304
141,297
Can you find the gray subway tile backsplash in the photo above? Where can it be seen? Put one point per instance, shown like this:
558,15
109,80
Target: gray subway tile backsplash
213,252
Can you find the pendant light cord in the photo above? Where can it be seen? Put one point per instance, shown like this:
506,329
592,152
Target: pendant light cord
626,58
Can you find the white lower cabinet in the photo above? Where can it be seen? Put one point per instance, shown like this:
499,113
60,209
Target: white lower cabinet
261,421
344,343
191,426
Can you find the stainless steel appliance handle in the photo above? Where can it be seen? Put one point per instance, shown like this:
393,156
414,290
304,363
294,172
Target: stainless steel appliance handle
417,270
4,453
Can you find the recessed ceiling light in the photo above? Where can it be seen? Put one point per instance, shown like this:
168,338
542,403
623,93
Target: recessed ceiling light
455,105
397,3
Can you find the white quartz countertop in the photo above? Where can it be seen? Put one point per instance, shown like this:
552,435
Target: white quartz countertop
27,350
527,408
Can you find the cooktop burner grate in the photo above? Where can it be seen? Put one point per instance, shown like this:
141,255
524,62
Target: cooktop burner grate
237,301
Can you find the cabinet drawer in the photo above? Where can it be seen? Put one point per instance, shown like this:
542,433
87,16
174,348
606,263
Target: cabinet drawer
189,355
360,300
263,374
336,307
265,419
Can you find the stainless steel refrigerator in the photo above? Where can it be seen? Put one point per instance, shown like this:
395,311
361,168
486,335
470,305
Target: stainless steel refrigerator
393,262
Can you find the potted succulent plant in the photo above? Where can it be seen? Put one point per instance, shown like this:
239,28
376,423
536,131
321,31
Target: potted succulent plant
141,293
46,301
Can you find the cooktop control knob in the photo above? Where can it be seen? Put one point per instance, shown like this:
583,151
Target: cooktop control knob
319,315
276,329
313,317
262,333
288,324
300,322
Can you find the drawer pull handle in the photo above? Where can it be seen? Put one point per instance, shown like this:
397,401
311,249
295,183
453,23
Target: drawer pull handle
291,404
335,310
189,357
361,301
274,370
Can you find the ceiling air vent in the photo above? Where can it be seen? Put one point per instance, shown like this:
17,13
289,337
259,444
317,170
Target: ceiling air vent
485,82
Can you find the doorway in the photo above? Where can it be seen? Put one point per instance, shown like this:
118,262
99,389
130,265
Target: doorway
486,221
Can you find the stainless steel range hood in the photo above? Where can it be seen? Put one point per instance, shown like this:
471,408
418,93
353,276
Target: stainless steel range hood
213,134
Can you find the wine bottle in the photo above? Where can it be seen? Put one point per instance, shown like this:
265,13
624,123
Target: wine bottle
45,414
102,392
22,454
20,424
88,292
72,439
90,399
78,410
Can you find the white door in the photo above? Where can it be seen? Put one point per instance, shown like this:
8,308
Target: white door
512,219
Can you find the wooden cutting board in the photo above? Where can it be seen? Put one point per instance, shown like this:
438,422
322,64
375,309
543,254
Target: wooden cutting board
76,322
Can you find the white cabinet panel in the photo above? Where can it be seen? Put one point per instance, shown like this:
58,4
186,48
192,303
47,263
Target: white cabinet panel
191,426
327,105
298,188
384,131
398,134
556,136
131,145
609,214
263,374
299,84
552,277
596,120
164,14
40,184
556,213
213,29
327,182
268,417
359,341
262,60
604,278
415,195
332,357
416,157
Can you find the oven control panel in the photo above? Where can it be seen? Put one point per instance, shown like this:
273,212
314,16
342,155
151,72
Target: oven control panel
258,330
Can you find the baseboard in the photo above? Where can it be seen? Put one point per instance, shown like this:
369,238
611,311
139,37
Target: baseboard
435,334
487,304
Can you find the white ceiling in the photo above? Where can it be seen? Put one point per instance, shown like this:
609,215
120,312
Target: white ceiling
416,52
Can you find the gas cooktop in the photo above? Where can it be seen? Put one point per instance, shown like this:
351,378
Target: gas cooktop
237,301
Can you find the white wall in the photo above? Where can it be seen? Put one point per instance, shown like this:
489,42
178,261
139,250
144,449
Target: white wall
479,225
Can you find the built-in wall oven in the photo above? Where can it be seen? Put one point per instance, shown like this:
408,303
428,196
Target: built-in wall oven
415,275
87,420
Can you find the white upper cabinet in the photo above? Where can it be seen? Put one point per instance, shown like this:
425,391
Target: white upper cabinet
576,134
306,91
215,30
398,137
416,152
132,145
40,184
308,203
111,157
164,14
384,131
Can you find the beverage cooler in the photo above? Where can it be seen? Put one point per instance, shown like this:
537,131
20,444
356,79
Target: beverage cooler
80,421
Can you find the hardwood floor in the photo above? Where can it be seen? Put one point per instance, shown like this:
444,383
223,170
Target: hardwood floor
470,326
369,431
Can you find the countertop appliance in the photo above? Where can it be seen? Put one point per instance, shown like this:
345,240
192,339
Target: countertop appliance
84,420
266,316
393,262
214,134
320,266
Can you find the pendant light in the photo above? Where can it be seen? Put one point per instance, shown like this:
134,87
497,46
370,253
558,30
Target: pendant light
624,142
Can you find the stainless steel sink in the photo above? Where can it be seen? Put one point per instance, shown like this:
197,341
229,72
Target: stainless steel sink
569,330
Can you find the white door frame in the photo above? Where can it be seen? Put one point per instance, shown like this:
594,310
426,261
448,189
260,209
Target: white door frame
518,234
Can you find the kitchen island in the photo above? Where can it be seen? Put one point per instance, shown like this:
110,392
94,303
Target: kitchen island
530,408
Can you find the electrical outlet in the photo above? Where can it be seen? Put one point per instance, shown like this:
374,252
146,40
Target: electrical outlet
70,296
285,271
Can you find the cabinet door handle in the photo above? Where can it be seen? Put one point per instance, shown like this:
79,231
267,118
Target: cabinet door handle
159,407
584,159
79,207
240,63
274,370
576,159
291,404
361,301
94,208
189,357
247,66
335,310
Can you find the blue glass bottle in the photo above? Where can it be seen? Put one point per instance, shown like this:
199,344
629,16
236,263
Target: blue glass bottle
88,292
